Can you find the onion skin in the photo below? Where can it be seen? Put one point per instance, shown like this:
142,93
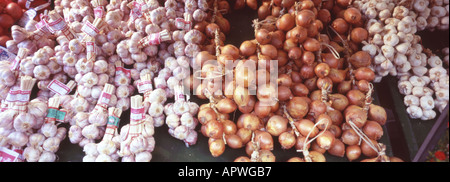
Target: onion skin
297,107
325,140
361,59
245,134
296,159
322,70
247,48
317,156
286,22
242,158
353,152
364,73
229,127
324,121
241,96
356,97
264,139
300,143
267,156
214,129
249,121
299,90
317,108
262,111
206,115
338,101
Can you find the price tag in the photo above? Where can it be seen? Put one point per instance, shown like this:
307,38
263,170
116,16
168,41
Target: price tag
137,114
58,87
144,86
7,155
18,96
5,55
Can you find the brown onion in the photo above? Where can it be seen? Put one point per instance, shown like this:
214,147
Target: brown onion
363,85
247,48
226,106
276,125
356,114
332,61
305,127
214,129
249,121
301,142
241,96
353,152
245,134
263,36
344,87
325,140
206,115
287,140
356,97
311,44
307,71
317,107
324,121
297,107
340,25
264,139
377,113
337,75
266,156
229,127
253,4
261,110
295,53
284,80
317,156
284,93
367,150
350,137
322,70
373,130
308,57
324,15
317,148
336,117
263,11
337,149
336,130
295,159
230,50
250,106
338,101
359,34
299,34
267,93
352,15
299,90
364,73
286,22
269,50
216,147
305,18
234,141
360,59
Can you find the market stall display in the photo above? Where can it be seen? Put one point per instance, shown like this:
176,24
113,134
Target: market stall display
180,67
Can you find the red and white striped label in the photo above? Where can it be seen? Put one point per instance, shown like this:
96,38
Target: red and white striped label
181,23
99,12
144,86
137,114
90,29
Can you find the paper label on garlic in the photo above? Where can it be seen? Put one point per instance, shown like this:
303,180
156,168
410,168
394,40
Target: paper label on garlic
15,64
99,12
179,94
144,86
18,96
137,114
5,55
90,29
152,39
104,98
7,155
26,17
113,122
181,23
58,87
122,70
58,24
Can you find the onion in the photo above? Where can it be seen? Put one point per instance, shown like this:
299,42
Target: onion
352,15
262,110
270,51
249,121
356,97
364,73
301,142
353,152
367,150
287,140
356,114
276,125
286,22
226,106
311,44
245,134
349,137
299,90
359,35
336,117
305,18
263,36
317,108
317,148
338,101
337,76
206,114
297,107
249,107
247,48
325,140
216,147
264,139
373,130
377,113
241,96
214,129
317,156
324,121
242,158
336,130
284,93
266,156
344,87
234,141
305,127
322,70
337,149
229,127
295,159
361,59
340,25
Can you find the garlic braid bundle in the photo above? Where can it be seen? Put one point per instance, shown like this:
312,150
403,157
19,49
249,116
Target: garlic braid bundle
106,150
136,138
43,145
181,117
22,38
98,117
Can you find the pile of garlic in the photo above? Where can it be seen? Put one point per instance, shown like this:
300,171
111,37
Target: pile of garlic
431,15
396,51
